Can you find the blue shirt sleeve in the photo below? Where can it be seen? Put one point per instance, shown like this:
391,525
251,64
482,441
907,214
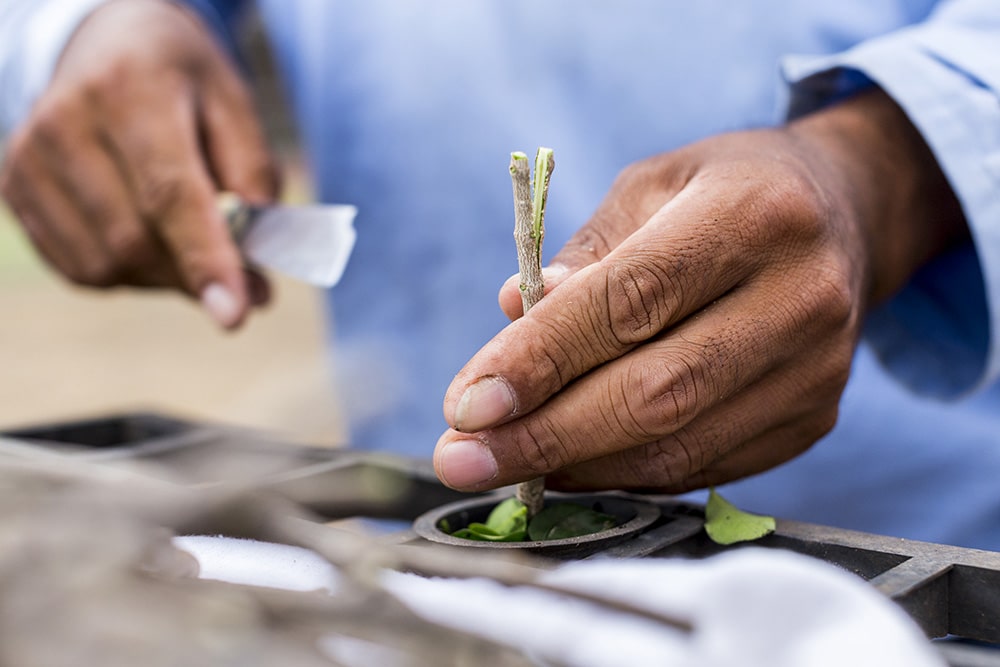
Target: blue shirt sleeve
220,16
941,334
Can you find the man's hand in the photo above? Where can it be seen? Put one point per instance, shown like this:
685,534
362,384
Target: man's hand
114,174
703,326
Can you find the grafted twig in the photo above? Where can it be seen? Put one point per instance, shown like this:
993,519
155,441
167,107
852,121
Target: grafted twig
529,230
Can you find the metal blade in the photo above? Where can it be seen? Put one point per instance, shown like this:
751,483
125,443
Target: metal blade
311,243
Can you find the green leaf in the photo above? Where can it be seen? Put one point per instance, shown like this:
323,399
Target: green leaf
726,524
483,533
507,522
509,516
563,520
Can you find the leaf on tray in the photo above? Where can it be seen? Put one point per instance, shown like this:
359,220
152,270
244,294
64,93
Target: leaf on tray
564,520
507,522
726,524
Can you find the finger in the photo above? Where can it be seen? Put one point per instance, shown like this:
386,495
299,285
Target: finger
173,192
764,452
102,202
679,261
237,152
727,443
49,218
657,391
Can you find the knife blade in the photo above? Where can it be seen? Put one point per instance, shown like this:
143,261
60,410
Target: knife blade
311,242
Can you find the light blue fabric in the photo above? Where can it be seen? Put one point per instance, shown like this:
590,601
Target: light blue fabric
410,110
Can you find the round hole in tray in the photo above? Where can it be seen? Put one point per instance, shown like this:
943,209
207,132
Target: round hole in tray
633,515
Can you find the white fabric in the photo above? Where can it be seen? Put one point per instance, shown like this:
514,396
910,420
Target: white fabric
750,607
32,36
259,563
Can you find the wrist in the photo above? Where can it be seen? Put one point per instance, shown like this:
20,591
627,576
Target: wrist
881,170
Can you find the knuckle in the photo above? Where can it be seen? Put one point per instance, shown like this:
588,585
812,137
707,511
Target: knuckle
196,265
590,240
540,450
49,123
159,191
819,424
96,272
835,299
824,302
674,393
258,174
666,462
833,377
129,247
558,355
639,175
669,394
104,87
635,301
795,209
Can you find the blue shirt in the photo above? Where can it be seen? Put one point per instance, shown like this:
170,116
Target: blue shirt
410,111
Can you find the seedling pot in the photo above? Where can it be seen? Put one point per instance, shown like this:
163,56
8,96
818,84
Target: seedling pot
632,514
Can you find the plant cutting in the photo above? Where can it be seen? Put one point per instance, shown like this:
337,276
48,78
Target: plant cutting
529,231
525,516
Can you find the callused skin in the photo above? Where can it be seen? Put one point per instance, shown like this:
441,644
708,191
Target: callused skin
700,327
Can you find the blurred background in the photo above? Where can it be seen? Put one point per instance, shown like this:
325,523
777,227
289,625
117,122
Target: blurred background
67,352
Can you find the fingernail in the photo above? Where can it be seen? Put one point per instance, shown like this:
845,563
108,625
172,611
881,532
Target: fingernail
466,464
220,304
483,404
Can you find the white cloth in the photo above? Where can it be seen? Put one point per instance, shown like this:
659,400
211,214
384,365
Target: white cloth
750,607
33,34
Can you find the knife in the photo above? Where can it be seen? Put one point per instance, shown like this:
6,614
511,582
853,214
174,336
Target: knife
311,243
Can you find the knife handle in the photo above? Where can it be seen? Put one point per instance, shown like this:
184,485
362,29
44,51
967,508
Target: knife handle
237,213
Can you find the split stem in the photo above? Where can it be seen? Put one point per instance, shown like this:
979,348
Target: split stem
529,230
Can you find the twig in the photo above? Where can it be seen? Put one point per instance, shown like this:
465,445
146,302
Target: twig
529,230
529,262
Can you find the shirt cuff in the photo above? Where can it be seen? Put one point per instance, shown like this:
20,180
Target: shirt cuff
30,59
939,335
